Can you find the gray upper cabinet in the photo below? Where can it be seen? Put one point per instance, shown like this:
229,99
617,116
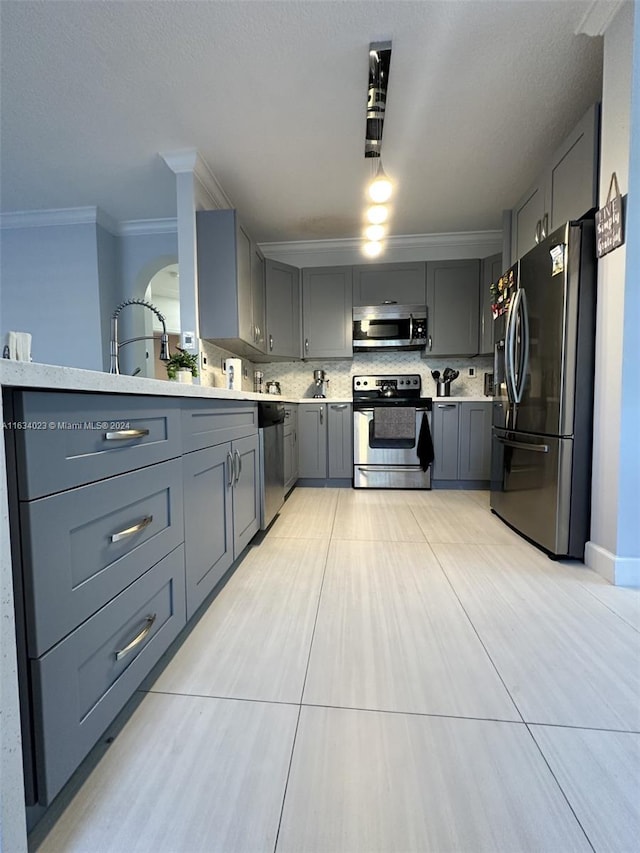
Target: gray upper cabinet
283,310
453,307
490,270
567,188
258,299
230,284
327,320
374,284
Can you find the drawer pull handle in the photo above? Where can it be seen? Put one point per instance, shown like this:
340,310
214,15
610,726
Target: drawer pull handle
341,406
148,625
125,434
446,405
145,522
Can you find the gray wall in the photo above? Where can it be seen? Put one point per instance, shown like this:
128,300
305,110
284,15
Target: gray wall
49,287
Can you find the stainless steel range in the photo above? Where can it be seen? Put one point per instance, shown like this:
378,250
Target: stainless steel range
392,447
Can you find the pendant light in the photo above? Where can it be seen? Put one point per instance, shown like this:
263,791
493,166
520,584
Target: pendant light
380,188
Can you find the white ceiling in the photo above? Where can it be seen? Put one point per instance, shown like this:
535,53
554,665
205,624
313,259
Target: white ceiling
273,94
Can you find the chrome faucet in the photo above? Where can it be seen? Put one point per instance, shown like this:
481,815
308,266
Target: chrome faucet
116,345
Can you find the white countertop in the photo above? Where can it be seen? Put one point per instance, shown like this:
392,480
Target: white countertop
50,377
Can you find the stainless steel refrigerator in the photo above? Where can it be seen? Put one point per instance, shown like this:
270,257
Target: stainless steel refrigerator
543,399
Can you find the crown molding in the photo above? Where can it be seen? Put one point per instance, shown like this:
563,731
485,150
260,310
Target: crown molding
480,240
189,160
59,216
137,227
597,17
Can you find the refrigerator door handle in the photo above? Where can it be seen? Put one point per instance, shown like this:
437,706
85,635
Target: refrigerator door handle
521,445
523,354
509,347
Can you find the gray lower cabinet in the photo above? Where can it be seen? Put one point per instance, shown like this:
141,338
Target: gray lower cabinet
566,189
490,272
283,310
290,446
312,440
453,307
84,681
221,491
340,440
461,440
404,283
325,440
327,312
445,436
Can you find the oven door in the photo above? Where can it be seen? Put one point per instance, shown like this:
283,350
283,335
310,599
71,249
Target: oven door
389,464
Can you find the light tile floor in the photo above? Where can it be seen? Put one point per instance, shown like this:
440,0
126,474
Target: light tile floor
385,671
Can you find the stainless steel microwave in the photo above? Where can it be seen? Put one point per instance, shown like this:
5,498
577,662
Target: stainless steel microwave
389,327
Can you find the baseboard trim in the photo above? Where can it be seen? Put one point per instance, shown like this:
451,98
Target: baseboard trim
620,571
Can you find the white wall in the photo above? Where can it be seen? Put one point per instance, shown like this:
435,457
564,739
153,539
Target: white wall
614,549
49,287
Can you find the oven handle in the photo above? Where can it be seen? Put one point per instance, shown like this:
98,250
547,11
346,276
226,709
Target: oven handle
364,469
371,411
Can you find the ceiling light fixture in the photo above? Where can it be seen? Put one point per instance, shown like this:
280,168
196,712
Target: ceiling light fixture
372,249
380,187
377,214
374,232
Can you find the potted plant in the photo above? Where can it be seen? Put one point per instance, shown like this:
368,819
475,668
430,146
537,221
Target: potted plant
182,365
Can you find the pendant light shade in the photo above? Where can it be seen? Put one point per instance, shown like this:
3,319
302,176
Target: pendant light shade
377,213
380,188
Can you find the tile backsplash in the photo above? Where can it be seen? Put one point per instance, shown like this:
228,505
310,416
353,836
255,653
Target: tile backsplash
296,377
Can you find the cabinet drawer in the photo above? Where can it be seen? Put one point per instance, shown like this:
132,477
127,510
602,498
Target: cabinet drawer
80,438
72,566
79,686
206,423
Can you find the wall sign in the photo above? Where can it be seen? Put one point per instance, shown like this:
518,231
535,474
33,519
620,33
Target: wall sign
609,221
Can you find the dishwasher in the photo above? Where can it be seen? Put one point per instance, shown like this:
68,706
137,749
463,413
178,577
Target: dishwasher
271,435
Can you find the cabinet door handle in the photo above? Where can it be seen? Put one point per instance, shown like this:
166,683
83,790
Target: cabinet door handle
339,406
237,468
231,468
545,225
321,415
306,344
148,625
270,343
136,528
125,434
538,231
430,342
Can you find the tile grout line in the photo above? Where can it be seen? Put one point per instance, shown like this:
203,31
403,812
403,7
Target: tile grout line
473,627
560,788
304,682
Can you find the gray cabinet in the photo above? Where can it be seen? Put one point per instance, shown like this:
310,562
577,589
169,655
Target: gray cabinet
404,283
283,310
491,270
325,440
445,436
99,564
340,440
290,446
461,440
221,490
453,307
474,456
312,440
87,678
230,284
327,320
566,189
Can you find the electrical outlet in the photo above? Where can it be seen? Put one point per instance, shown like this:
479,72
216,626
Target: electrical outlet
472,371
